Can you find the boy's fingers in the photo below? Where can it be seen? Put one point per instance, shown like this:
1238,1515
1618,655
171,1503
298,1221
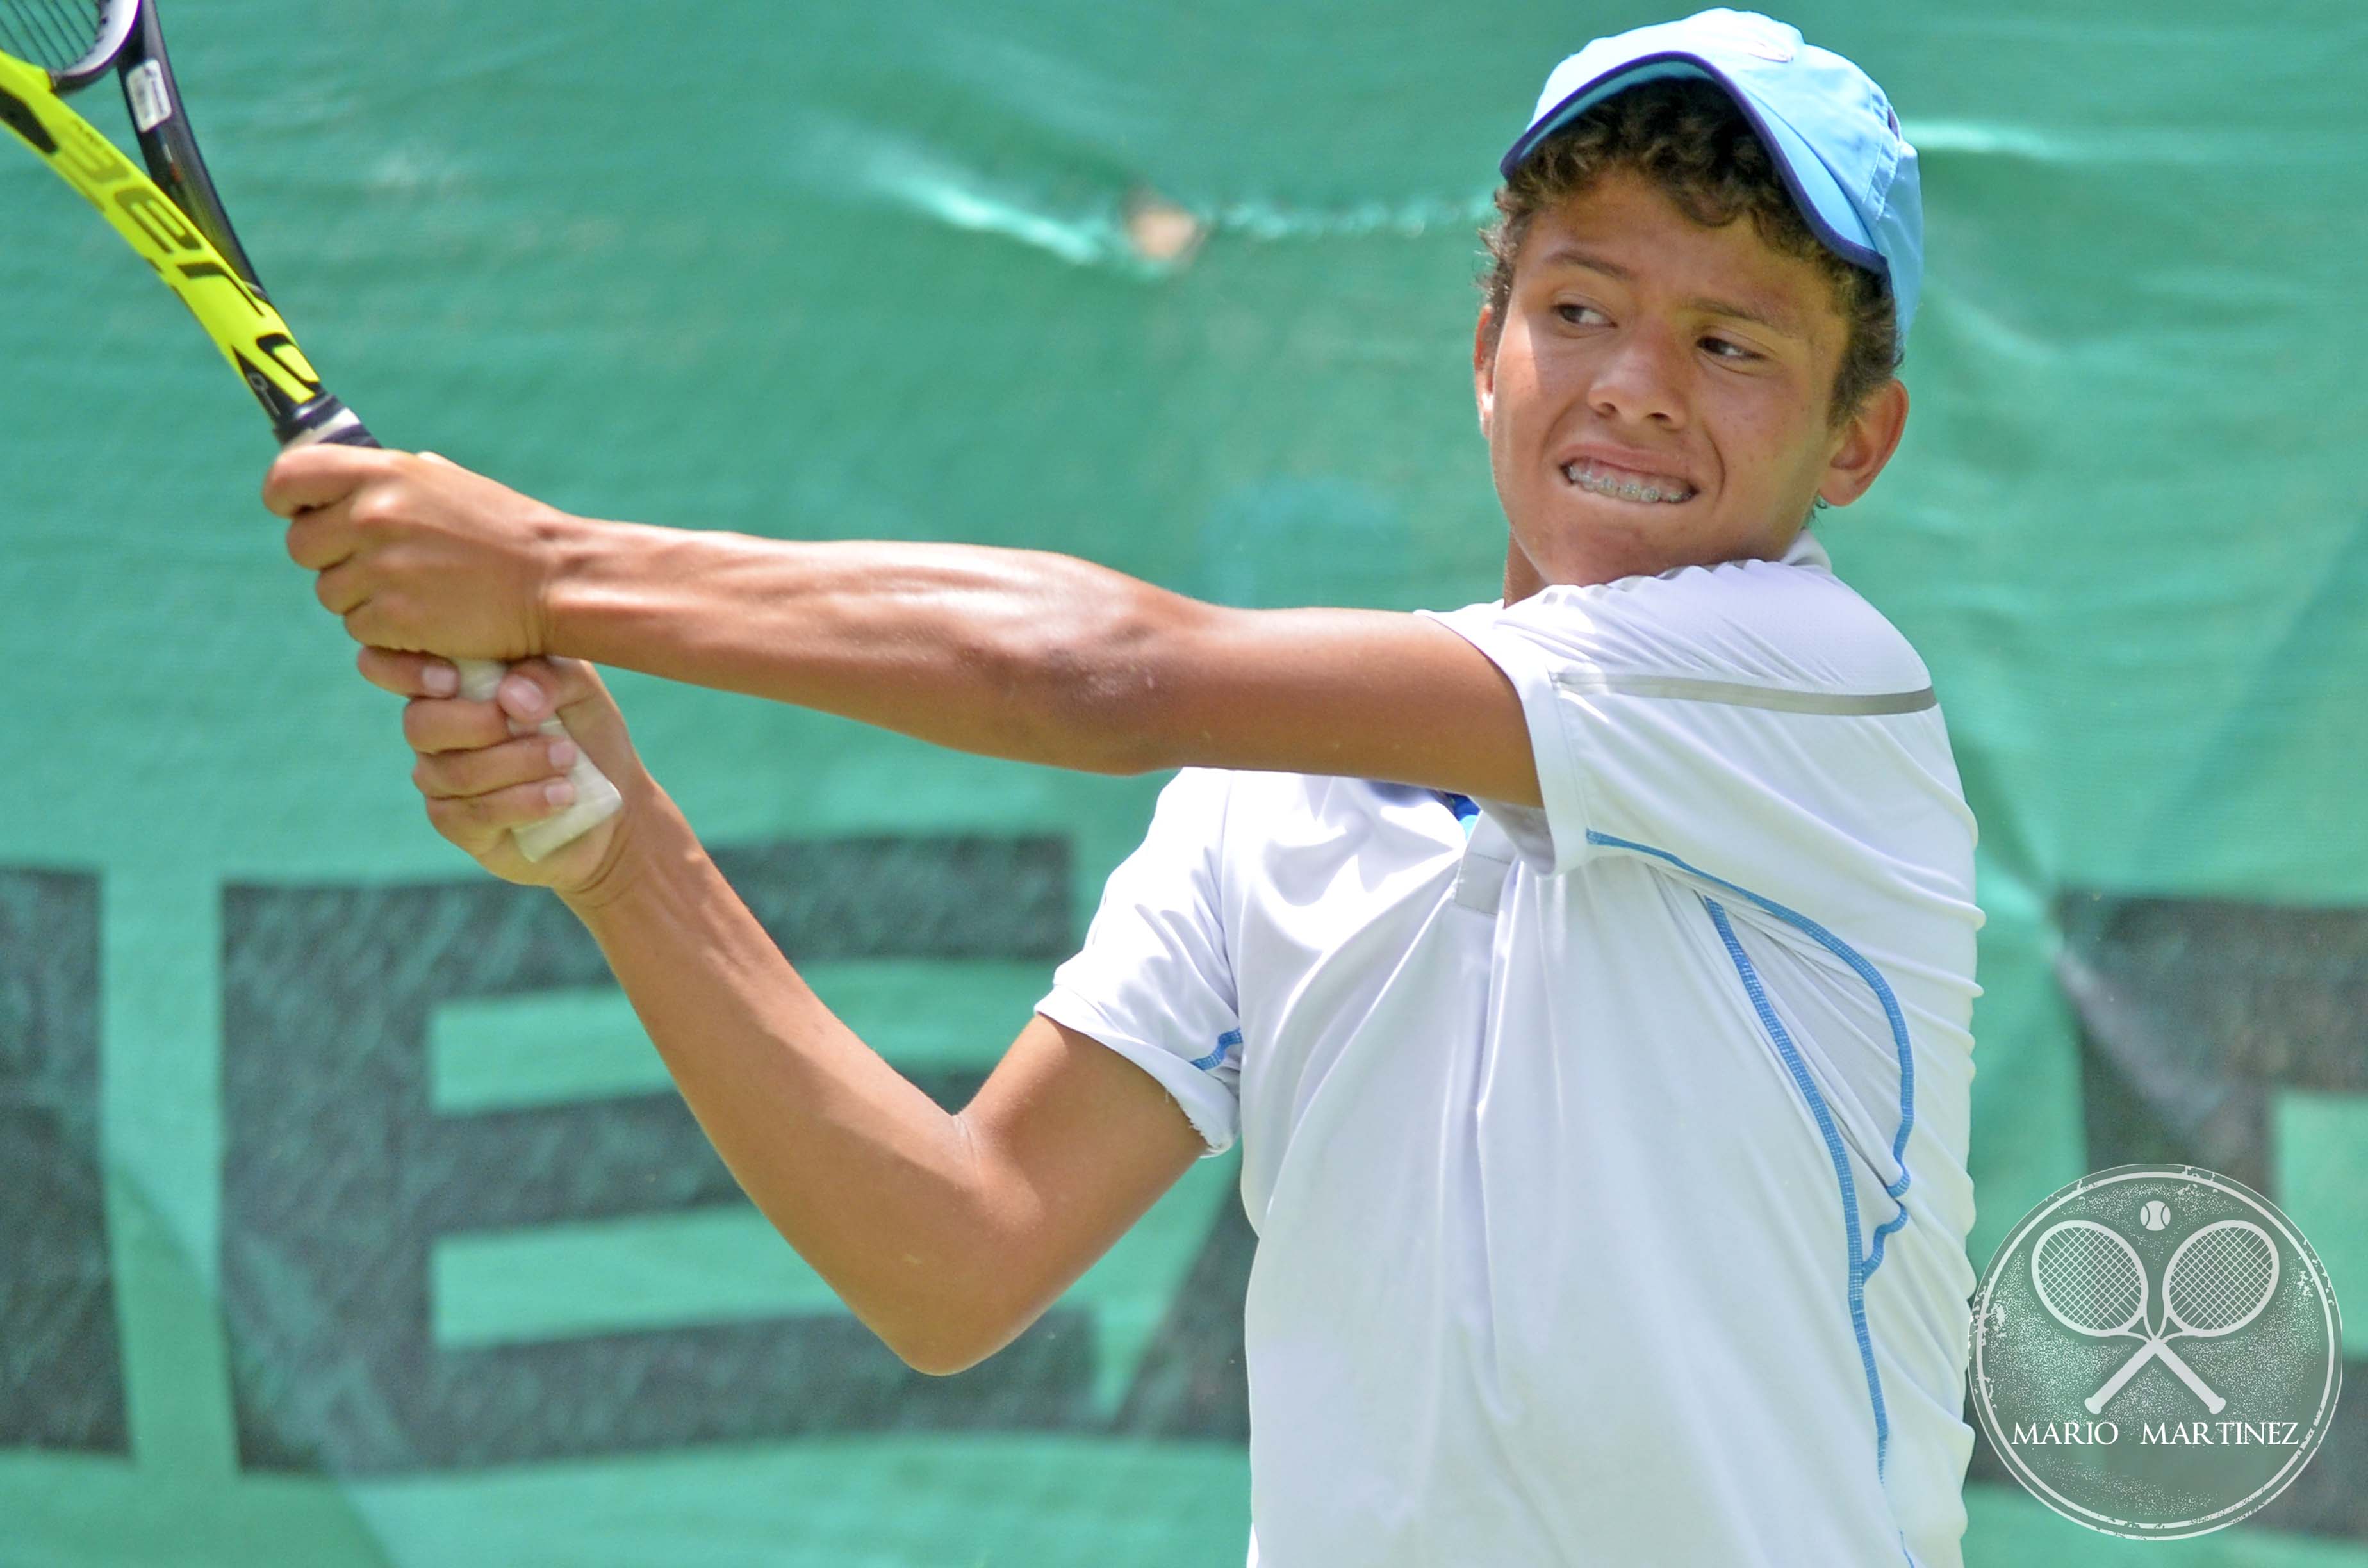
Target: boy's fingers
530,692
535,690
441,724
451,774
318,475
321,538
473,822
407,675
339,589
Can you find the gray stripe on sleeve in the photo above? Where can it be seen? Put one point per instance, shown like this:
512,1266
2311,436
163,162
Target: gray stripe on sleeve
1735,694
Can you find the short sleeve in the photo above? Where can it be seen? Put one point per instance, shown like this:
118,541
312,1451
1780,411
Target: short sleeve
1756,721
1153,982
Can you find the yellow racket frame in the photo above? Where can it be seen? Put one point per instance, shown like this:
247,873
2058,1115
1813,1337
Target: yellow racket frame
243,324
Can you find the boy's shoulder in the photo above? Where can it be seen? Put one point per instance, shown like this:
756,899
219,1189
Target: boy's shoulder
1788,622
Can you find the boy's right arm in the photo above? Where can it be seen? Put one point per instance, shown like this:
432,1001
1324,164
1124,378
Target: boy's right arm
947,1235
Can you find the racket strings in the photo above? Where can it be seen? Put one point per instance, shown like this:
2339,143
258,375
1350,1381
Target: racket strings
2090,1281
2220,1281
52,34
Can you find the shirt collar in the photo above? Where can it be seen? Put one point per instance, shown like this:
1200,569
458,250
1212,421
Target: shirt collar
1804,551
1807,551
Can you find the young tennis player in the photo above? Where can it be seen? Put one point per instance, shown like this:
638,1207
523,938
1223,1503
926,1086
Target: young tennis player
1585,975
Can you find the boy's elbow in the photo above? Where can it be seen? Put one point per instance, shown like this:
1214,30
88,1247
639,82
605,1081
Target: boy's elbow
936,1363
951,1329
948,1351
1109,683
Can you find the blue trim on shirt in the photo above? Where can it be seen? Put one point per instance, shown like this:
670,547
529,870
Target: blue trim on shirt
1465,810
1859,965
1225,1043
1862,1269
1859,1268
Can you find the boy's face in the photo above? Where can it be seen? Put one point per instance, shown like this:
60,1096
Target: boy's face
1623,368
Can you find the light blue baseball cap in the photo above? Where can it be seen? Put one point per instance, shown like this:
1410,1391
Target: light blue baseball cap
1836,141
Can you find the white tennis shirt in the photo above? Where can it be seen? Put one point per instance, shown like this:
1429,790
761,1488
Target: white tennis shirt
1609,1164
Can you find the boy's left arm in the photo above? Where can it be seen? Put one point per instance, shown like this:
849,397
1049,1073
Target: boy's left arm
1010,653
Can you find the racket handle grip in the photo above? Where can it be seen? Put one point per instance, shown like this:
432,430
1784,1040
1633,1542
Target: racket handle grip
328,421
323,422
597,800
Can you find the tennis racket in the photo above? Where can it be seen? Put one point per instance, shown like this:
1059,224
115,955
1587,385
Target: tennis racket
2091,1280
50,49
2219,1279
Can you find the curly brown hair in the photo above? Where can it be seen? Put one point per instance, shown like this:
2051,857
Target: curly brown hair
1688,138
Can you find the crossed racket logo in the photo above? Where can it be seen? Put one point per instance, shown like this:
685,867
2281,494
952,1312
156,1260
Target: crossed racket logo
2231,1265
2093,1282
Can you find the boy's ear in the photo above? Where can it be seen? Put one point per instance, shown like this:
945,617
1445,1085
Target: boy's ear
1866,443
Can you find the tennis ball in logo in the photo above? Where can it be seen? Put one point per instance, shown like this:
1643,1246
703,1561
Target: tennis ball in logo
2155,1215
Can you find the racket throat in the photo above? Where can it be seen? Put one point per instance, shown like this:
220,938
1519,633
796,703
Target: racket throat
18,116
170,147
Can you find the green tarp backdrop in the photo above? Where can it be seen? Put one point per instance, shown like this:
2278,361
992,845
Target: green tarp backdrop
346,1220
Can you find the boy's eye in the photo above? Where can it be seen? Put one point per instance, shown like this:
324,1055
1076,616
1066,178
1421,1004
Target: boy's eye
1723,348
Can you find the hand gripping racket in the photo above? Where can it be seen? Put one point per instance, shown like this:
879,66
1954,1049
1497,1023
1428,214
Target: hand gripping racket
2219,1279
50,49
2091,1280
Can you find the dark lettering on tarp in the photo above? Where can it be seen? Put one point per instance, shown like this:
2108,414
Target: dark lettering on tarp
340,1177
61,1367
1194,1382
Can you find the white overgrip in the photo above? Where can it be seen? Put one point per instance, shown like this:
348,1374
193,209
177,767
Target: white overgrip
597,800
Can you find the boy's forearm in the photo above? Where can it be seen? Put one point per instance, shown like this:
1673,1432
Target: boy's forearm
1007,653
872,1182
